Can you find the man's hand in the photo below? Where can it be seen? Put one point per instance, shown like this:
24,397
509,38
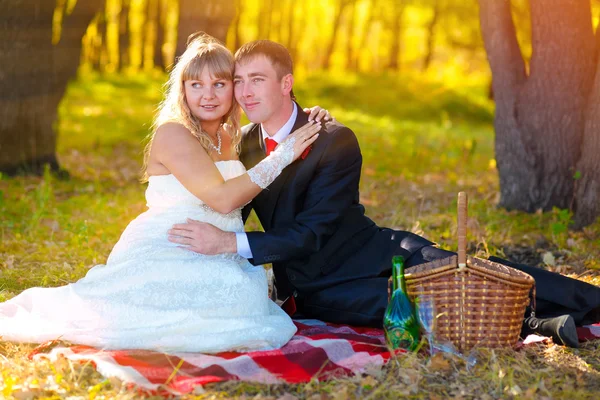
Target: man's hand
203,238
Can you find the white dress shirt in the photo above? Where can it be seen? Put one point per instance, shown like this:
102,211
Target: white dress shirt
243,246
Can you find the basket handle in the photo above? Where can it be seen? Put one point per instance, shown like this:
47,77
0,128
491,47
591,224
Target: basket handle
462,229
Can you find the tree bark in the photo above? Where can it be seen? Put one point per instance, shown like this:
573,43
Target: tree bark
150,29
539,119
31,90
124,35
291,27
237,28
365,36
394,63
264,19
296,29
97,51
350,29
587,183
161,12
431,35
210,16
336,27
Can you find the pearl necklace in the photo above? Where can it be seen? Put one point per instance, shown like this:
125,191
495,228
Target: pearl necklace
217,148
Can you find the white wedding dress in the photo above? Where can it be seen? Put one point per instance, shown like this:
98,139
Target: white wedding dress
151,294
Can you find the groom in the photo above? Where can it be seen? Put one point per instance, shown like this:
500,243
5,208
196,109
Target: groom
329,259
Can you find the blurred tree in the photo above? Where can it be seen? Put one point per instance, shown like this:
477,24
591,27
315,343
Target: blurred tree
210,16
396,28
291,29
124,34
236,25
96,51
159,39
35,67
373,6
350,33
431,30
339,11
264,19
548,118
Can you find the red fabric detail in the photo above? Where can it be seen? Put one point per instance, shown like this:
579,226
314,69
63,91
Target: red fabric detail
270,145
305,152
289,306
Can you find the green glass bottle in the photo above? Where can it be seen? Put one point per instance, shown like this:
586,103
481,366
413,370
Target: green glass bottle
400,321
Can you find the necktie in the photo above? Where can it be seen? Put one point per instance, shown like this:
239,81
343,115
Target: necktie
270,144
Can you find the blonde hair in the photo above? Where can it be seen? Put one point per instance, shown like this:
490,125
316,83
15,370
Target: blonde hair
202,51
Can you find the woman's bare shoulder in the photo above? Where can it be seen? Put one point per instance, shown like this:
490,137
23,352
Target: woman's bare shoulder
173,134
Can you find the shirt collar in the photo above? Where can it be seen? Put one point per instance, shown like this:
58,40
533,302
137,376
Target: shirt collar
285,130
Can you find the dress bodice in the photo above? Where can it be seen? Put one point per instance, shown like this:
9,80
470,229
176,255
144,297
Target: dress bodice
166,191
169,203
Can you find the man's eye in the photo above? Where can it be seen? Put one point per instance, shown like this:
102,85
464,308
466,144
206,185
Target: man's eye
256,80
237,82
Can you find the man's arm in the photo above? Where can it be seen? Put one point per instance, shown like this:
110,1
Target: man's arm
331,192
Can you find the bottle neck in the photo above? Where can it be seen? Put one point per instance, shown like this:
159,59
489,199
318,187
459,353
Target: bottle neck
398,281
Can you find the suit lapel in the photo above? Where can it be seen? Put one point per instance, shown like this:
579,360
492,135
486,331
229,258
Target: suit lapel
252,147
272,193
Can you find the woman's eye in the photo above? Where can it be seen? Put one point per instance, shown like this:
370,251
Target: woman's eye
219,84
196,85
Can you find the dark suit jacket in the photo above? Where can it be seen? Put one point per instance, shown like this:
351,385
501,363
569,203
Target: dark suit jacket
316,232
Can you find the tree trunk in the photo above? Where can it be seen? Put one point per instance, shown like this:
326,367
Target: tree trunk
161,13
296,28
336,26
351,26
587,192
237,27
264,19
98,44
276,22
210,16
31,90
431,35
150,28
124,35
540,118
365,36
291,27
394,63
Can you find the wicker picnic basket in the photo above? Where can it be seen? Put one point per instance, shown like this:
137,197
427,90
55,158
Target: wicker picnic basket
478,303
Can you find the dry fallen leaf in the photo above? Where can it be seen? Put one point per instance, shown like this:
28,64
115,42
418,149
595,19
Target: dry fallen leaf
439,363
287,396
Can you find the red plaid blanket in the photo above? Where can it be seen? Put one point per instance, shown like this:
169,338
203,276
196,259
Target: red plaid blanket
317,351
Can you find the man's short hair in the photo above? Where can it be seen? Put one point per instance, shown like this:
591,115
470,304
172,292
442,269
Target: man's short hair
276,53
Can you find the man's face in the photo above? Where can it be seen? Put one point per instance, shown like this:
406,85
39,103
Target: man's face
258,90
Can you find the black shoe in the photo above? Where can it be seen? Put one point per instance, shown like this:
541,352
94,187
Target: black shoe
561,329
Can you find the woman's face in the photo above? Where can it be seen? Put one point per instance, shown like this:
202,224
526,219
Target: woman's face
208,98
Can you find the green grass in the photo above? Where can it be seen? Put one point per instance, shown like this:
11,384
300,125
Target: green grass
422,142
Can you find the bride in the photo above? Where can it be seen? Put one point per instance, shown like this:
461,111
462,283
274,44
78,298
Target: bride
152,294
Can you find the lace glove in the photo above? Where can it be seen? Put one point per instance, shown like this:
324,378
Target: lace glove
265,172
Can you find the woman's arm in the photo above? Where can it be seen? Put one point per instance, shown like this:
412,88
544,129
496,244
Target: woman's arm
174,147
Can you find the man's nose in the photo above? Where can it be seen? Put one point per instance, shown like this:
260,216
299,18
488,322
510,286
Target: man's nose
247,90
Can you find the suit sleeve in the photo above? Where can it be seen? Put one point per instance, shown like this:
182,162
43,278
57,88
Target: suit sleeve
331,191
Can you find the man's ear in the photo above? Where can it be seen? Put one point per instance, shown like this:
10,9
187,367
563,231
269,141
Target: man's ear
287,83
